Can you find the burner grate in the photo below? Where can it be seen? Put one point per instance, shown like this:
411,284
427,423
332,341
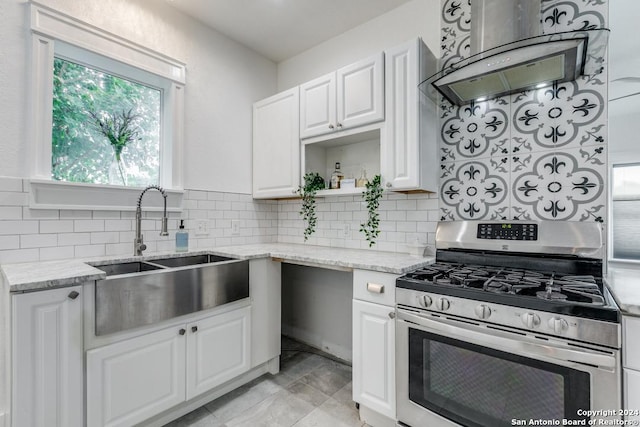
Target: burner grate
549,286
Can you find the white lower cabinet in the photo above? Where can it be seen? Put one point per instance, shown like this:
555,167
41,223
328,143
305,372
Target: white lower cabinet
631,364
133,380
48,371
374,349
631,380
374,379
217,350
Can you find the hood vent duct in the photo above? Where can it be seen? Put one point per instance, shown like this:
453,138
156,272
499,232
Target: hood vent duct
509,55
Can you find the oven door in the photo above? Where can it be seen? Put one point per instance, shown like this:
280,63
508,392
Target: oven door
454,372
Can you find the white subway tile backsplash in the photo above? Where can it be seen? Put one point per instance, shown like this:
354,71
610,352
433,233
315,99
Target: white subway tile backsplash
83,251
11,212
38,240
18,227
118,225
10,184
84,225
58,252
65,239
9,242
30,235
11,198
19,255
105,237
61,226
71,214
28,213
106,215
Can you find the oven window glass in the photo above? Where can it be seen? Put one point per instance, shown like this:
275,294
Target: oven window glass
482,387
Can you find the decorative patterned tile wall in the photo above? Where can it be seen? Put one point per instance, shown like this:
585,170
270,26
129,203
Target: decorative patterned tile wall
532,155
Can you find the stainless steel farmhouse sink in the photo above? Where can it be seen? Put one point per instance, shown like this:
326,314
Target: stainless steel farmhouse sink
127,267
190,260
142,293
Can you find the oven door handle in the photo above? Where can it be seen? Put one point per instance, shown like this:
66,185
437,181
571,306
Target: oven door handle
504,341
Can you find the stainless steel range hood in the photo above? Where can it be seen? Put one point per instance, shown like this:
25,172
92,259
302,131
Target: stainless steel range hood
509,55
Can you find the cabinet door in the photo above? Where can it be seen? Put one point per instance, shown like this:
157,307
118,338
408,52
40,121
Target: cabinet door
276,145
218,349
265,288
360,93
132,380
409,141
318,106
48,382
631,393
374,357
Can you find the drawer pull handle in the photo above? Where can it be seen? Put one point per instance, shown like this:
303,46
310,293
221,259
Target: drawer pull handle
73,294
375,288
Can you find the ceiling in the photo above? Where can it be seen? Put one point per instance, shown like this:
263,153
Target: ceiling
280,29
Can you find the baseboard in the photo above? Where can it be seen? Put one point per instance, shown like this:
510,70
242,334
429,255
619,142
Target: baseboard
375,419
318,342
186,407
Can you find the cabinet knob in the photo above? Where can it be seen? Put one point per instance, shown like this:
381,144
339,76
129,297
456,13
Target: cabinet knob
182,331
392,315
389,185
331,126
73,294
339,125
194,329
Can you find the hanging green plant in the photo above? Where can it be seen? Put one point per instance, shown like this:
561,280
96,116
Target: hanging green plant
312,183
372,196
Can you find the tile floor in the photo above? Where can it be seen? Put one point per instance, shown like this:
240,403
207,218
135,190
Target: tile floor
310,390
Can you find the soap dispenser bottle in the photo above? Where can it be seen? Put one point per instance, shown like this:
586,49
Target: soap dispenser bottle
182,238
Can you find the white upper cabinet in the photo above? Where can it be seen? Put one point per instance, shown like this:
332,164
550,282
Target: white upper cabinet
409,159
350,97
276,145
318,106
48,367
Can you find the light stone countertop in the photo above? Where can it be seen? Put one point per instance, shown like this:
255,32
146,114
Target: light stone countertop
624,284
54,274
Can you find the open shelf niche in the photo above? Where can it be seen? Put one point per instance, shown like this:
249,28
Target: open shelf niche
354,151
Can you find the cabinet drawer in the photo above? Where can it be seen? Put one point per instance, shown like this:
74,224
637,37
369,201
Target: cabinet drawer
374,286
631,342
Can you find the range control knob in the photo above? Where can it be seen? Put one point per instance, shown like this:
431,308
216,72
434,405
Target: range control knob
425,301
483,311
443,304
530,320
558,324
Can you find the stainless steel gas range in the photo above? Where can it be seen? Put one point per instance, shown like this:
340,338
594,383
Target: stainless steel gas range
511,324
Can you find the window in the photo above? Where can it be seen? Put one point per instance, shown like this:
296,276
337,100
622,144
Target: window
106,129
84,77
625,212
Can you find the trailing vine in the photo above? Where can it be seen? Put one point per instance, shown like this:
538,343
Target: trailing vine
312,183
372,196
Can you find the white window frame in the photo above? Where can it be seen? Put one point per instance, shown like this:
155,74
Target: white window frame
57,34
618,159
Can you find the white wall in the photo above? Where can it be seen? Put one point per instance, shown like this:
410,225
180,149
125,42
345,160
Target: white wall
223,79
316,308
418,18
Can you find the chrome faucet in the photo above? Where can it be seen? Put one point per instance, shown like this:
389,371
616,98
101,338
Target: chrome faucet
138,243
